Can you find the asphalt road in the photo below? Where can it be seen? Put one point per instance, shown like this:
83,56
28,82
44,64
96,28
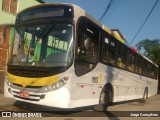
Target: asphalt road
117,111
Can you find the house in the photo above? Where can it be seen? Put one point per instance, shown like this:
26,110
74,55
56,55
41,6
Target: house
8,11
118,33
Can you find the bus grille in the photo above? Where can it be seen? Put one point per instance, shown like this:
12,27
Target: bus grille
29,73
32,97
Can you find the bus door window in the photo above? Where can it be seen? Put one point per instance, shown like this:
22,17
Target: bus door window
87,48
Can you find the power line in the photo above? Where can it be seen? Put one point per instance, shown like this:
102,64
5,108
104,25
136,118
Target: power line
144,21
107,8
111,5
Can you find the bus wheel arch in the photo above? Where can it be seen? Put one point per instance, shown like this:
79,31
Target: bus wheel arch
105,98
109,87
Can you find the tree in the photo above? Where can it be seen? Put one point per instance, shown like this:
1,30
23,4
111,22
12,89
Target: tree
151,49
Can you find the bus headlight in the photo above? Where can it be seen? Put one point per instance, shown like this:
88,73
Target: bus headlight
7,81
60,83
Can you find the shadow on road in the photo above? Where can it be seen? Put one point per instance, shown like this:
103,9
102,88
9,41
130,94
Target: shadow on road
158,90
57,112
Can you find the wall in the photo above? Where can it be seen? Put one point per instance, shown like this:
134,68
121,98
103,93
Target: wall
9,18
23,4
6,18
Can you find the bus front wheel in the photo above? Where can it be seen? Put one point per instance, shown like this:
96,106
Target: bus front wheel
104,100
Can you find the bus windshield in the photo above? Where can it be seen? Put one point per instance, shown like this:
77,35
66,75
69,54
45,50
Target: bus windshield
34,46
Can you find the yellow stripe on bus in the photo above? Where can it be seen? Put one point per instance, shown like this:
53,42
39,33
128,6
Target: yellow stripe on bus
25,81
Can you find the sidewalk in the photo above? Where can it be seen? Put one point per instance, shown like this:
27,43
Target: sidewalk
2,77
5,101
7,104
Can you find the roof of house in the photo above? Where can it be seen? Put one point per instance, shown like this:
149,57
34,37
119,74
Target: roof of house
118,33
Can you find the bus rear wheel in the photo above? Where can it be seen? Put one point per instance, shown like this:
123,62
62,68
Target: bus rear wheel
145,96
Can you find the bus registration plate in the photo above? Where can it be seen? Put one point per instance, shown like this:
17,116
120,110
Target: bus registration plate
24,94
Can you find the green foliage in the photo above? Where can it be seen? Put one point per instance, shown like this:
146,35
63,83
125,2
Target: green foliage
151,49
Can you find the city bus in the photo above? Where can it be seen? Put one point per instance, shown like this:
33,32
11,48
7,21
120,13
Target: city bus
64,58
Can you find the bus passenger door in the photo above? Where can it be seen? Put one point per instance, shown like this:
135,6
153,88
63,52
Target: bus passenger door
87,55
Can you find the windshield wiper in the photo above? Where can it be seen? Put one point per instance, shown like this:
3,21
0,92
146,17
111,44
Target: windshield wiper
44,30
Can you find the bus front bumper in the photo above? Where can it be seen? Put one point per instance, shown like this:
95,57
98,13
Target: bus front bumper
58,98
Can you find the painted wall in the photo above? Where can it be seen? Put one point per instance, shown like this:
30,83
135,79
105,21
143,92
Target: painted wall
9,18
6,18
27,3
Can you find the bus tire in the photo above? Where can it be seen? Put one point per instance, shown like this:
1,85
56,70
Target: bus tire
105,100
145,96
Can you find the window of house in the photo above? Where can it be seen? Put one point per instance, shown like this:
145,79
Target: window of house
10,6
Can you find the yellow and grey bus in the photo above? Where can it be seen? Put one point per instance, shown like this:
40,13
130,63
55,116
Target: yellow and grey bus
64,58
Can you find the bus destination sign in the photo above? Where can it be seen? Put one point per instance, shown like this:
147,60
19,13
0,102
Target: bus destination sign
45,11
44,14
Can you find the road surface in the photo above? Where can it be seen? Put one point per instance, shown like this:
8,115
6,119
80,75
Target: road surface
117,111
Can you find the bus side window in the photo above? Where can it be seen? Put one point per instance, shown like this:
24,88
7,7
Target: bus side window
131,61
138,64
155,72
112,51
152,71
144,67
120,55
109,51
105,50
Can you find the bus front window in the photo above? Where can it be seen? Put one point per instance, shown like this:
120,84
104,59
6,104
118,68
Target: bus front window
52,48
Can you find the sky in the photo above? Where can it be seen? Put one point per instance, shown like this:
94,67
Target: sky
125,15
